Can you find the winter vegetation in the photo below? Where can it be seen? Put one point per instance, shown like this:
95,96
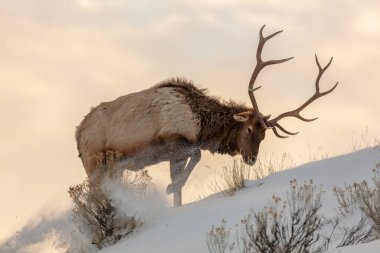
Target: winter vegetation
291,225
234,177
95,214
297,225
363,198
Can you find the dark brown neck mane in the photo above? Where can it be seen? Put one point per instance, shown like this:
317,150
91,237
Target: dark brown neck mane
218,130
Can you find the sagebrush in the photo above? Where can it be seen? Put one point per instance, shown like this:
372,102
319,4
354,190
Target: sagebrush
291,225
218,239
365,198
361,232
95,213
234,177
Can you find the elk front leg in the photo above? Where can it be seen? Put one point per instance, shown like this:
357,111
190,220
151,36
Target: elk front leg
176,170
181,174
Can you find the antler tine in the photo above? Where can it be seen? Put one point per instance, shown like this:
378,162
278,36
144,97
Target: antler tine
284,130
260,64
296,113
320,71
277,134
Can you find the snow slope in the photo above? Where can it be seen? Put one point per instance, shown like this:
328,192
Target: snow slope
173,230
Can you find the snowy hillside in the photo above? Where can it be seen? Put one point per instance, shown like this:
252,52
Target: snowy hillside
184,229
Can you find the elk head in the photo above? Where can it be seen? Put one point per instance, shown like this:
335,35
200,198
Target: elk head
254,123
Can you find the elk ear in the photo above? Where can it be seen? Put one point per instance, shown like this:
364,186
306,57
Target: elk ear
242,117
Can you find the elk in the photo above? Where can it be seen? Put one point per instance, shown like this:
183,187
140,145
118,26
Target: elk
174,120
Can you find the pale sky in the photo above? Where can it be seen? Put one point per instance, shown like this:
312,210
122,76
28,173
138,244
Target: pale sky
60,57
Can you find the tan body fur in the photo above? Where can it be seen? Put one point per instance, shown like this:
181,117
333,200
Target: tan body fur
131,122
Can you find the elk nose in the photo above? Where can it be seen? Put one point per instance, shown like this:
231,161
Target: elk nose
250,161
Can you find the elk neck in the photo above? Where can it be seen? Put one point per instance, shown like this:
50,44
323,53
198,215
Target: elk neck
218,130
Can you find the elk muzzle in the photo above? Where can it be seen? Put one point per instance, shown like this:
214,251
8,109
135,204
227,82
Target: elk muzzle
250,160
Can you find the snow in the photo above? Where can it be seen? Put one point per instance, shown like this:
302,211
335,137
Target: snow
371,247
183,229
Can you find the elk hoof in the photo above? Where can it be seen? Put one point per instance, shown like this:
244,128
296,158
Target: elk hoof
170,188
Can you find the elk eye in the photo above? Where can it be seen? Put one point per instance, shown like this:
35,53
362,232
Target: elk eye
249,130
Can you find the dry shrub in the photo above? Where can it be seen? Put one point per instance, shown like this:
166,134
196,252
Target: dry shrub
286,226
293,225
140,183
368,199
218,239
94,212
362,141
345,197
271,164
234,177
364,197
316,155
362,232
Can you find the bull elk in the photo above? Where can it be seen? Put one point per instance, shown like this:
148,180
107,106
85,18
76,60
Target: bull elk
174,120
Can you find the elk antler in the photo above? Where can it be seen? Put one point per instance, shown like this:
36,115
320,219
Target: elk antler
296,113
260,64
